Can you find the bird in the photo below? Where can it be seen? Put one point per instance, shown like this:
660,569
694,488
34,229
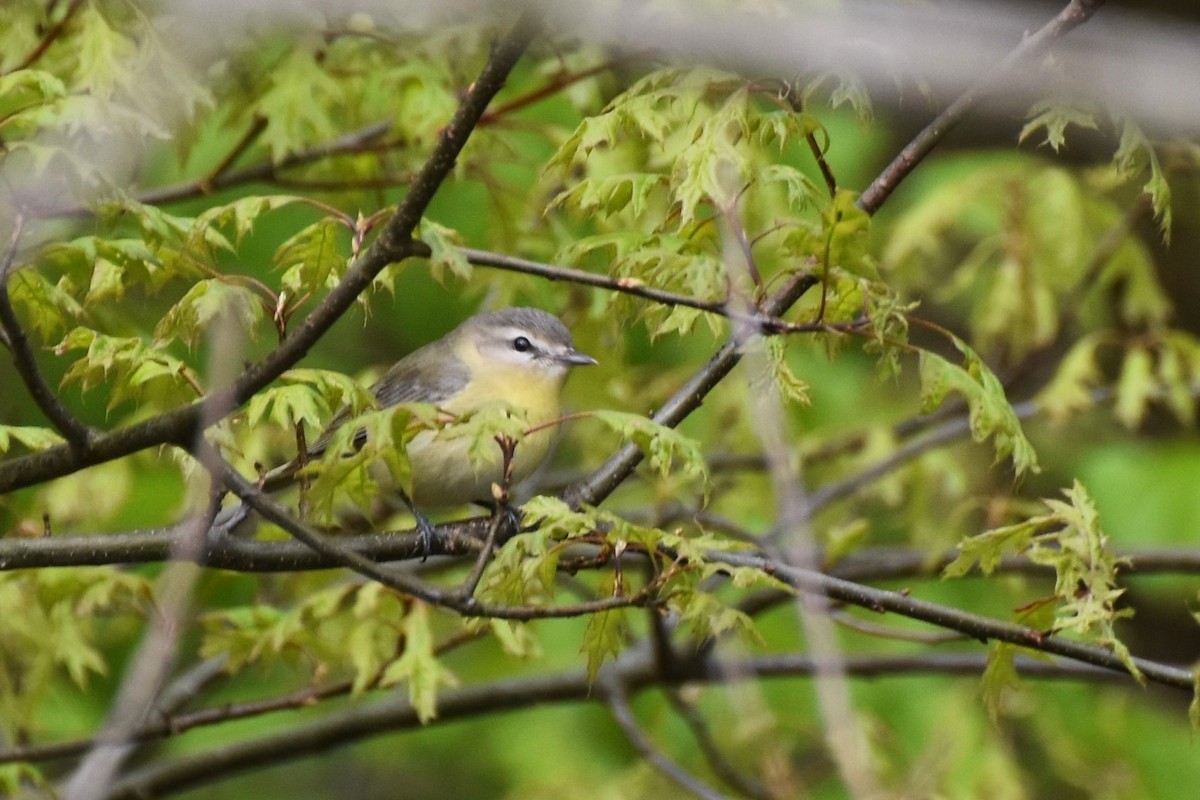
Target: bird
517,356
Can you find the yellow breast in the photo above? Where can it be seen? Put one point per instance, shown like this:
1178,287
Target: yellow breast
443,474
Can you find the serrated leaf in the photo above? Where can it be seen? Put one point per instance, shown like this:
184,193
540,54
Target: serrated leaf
207,303
1135,156
663,447
445,246
418,665
1054,117
988,548
297,105
29,437
605,634
46,308
311,259
307,396
990,413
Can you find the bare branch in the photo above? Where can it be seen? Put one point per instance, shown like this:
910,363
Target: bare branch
1074,14
717,762
50,37
975,626
618,703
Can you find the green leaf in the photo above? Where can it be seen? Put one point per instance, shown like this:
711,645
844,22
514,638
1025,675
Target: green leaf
29,437
298,103
308,396
1134,157
133,371
241,215
46,308
790,386
1135,386
106,56
207,303
1070,390
605,634
348,471
311,260
663,447
999,678
445,245
418,665
991,415
988,548
848,89
1054,117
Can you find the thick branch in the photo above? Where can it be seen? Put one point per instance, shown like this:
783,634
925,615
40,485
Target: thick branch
636,670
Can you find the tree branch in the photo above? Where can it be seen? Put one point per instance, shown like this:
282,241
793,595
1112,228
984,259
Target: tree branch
601,483
78,435
617,697
975,626
1074,14
49,38
636,669
394,243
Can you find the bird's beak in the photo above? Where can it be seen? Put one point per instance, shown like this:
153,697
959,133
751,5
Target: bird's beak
576,358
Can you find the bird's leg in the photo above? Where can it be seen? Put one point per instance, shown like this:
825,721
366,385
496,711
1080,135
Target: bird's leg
426,533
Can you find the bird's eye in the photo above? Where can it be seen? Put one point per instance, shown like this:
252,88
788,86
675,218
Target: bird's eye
522,345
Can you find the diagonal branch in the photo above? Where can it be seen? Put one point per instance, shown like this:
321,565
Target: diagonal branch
617,696
77,434
1074,14
974,625
395,243
601,483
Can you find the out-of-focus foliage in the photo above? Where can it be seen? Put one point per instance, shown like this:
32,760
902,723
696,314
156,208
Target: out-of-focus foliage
167,203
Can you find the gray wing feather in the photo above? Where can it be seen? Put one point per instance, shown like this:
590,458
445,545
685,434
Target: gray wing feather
404,383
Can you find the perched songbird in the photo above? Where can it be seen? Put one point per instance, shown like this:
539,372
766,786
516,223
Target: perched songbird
517,356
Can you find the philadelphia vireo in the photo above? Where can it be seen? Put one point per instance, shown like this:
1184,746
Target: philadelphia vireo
517,356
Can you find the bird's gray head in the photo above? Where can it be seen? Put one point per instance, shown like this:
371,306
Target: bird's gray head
524,338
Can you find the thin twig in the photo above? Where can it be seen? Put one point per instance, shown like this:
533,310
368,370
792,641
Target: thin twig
1074,14
717,762
975,626
601,483
616,695
49,38
556,85
243,144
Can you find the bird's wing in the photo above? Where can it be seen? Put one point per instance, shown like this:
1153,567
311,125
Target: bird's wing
405,382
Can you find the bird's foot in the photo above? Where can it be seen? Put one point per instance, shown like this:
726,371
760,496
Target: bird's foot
427,534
